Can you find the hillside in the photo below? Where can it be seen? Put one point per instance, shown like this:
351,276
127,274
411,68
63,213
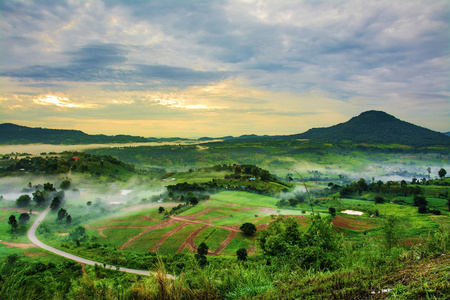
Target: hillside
11,134
377,127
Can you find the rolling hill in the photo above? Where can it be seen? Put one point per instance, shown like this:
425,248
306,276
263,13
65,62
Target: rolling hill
11,134
377,127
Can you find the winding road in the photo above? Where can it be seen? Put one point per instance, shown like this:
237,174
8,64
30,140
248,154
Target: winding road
33,238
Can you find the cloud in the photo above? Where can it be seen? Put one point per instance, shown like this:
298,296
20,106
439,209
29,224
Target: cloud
61,102
236,58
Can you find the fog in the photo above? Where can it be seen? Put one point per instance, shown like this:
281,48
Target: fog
377,171
36,149
84,189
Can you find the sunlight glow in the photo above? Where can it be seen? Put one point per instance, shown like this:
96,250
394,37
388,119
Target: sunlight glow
61,102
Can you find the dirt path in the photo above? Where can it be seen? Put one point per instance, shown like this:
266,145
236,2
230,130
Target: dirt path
189,242
224,243
19,245
22,210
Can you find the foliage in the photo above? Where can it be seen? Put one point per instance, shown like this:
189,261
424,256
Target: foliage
23,201
248,228
78,234
12,222
316,247
442,172
62,214
65,184
242,254
23,218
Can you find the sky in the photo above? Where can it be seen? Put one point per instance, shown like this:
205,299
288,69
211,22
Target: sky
216,68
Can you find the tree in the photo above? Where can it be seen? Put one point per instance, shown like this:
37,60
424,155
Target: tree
379,200
49,187
420,200
68,220
23,218
55,203
62,214
193,200
23,201
161,209
39,197
242,254
442,173
202,249
65,184
13,222
422,209
293,202
248,228
332,211
89,203
78,234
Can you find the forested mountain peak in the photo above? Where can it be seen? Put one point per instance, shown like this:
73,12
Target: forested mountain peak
377,127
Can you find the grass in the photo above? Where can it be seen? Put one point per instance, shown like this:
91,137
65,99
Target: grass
240,241
174,242
118,236
245,198
149,240
212,236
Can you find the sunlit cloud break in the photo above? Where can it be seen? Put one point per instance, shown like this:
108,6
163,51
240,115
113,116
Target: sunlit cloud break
179,103
61,102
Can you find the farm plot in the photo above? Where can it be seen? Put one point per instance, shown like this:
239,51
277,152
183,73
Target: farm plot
355,223
215,222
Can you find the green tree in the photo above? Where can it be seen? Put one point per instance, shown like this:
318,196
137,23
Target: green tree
420,200
161,209
65,184
23,201
39,198
193,200
78,235
23,218
248,228
200,256
379,200
442,173
13,222
242,254
49,187
332,211
202,249
56,202
68,220
62,214
422,209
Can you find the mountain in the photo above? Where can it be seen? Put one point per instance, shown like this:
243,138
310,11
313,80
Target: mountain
377,127
447,133
11,134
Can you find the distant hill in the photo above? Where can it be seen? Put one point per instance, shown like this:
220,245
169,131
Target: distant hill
447,133
11,134
377,127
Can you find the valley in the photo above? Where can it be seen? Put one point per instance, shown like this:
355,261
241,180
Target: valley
244,218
